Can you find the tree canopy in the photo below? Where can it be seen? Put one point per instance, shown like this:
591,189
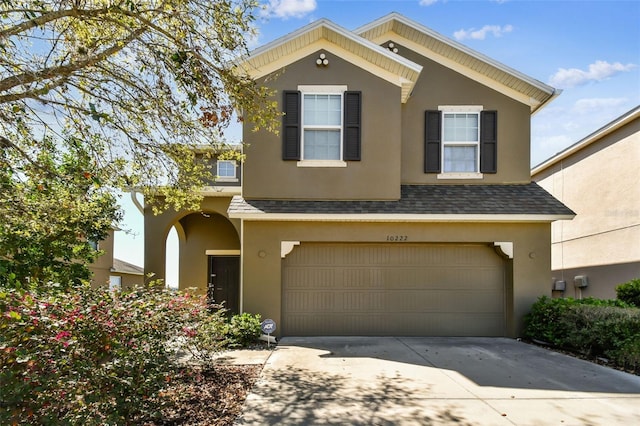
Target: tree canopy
139,83
123,91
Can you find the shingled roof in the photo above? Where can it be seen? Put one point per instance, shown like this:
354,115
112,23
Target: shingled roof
528,202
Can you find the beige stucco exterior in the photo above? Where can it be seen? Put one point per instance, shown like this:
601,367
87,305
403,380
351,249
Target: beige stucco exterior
435,88
198,232
261,288
376,177
103,268
598,178
396,89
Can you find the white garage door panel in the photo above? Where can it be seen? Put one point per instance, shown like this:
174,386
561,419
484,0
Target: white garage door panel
387,289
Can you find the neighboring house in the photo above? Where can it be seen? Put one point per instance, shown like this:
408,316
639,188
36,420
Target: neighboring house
115,273
396,199
599,178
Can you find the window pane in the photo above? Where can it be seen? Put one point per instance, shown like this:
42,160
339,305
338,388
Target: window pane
321,144
460,127
460,159
226,169
322,110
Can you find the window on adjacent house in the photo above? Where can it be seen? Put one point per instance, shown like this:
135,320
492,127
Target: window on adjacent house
460,142
226,169
321,125
115,282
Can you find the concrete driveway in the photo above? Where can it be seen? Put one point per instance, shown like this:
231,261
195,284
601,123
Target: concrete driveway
435,381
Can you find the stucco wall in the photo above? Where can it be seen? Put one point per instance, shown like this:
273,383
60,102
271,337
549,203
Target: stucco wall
196,234
261,262
601,184
376,177
439,86
101,268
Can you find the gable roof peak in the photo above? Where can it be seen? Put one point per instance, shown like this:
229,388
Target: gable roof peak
448,52
324,34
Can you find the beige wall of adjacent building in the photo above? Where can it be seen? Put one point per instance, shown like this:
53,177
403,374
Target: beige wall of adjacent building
262,262
601,183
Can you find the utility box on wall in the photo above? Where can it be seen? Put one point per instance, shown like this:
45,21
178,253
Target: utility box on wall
580,281
559,285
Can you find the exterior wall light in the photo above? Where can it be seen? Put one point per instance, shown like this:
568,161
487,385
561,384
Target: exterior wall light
322,60
392,47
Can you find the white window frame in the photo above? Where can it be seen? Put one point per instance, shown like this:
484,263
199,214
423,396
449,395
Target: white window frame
460,109
322,90
227,178
115,282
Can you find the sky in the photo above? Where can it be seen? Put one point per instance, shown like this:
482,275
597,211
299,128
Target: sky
588,49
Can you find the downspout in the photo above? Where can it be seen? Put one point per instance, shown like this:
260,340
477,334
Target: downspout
134,198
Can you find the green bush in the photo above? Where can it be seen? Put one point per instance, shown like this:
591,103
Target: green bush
90,356
244,329
629,292
599,328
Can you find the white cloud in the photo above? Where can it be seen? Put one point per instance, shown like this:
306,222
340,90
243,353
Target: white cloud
598,71
481,34
428,2
290,8
589,105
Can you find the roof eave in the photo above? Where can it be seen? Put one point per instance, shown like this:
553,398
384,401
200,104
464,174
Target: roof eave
535,104
423,218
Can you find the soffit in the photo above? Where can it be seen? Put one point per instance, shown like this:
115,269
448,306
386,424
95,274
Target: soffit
459,58
325,35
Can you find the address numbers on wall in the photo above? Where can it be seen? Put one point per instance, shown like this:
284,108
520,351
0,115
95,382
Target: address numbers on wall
397,238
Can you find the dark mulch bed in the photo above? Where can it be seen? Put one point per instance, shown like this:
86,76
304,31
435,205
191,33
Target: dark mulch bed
596,360
207,396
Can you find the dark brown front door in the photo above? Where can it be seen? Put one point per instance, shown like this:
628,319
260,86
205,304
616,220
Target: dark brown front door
224,281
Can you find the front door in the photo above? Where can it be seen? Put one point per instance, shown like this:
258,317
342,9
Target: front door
224,281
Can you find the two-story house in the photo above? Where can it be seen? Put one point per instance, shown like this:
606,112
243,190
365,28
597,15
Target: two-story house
396,199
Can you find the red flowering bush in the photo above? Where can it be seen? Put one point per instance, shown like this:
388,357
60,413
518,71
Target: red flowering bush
91,356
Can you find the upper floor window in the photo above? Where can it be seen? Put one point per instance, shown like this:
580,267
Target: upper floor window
226,170
460,142
321,126
460,138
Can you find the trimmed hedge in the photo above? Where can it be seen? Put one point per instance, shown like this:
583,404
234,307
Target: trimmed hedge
592,327
629,292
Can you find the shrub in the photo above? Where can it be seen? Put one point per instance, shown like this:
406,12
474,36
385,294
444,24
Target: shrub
90,356
244,329
600,328
629,292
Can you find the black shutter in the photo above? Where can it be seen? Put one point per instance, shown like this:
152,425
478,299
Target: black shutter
352,126
291,125
488,142
432,131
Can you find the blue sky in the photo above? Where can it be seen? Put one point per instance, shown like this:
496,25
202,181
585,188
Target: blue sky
589,49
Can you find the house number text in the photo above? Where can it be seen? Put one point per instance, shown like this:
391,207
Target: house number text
397,237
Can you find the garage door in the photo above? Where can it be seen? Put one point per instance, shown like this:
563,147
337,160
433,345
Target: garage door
393,289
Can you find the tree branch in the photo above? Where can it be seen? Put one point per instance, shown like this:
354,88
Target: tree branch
48,73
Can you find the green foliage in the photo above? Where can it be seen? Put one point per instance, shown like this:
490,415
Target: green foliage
629,292
93,357
51,210
133,82
244,329
599,328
